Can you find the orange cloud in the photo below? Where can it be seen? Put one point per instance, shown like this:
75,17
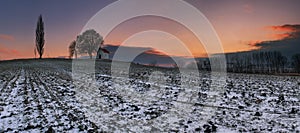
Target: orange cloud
284,38
7,51
281,36
284,31
156,52
253,43
7,37
285,28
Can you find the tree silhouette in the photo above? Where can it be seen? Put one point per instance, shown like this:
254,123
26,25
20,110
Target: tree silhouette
40,39
88,42
257,62
72,49
296,62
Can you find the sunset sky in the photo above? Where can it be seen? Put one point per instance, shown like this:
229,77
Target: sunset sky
242,25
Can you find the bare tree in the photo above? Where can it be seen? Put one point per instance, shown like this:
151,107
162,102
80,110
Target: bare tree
40,39
257,62
88,42
72,49
296,62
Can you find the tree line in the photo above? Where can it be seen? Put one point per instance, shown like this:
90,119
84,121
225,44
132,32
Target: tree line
268,62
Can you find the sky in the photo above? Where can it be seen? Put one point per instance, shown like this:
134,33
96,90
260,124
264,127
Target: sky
242,25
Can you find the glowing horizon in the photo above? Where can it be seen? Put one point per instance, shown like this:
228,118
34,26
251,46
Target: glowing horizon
239,24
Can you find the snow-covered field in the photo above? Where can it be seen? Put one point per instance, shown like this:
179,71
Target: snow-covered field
40,96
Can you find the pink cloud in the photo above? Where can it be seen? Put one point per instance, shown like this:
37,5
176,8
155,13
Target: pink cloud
6,37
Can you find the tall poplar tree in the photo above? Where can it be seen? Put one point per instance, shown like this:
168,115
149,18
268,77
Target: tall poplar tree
40,37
